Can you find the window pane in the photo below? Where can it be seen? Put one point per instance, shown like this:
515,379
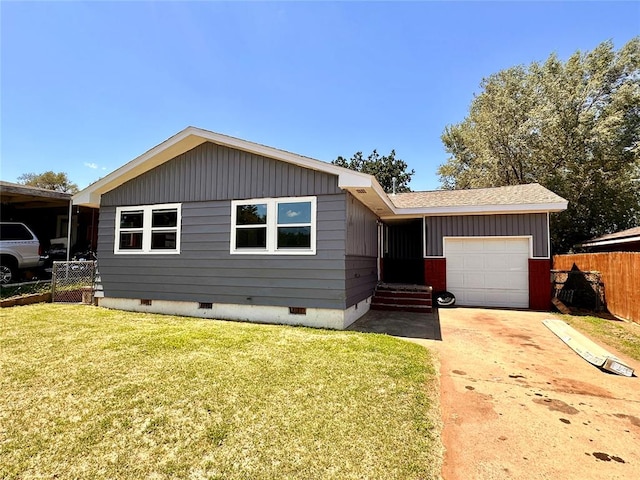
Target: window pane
251,237
251,214
131,241
294,212
164,218
294,237
163,241
131,219
14,231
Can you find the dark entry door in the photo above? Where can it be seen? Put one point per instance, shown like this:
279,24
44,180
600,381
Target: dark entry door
403,257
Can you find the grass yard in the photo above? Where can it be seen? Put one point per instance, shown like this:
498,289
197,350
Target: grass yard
622,336
95,393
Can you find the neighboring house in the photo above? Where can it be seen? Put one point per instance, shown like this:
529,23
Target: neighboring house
624,241
213,226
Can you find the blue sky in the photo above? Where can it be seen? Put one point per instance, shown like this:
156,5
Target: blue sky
86,87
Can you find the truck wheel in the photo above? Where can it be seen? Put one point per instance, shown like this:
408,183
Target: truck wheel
8,271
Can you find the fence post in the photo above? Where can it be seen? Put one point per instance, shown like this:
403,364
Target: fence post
53,283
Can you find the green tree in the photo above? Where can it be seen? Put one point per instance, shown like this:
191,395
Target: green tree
573,127
384,167
50,180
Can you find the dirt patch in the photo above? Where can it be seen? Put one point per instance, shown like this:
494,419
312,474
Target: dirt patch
634,420
569,385
556,405
605,457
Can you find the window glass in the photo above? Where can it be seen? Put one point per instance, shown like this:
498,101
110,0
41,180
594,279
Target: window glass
131,241
251,214
294,212
251,237
10,231
294,237
163,241
164,218
131,219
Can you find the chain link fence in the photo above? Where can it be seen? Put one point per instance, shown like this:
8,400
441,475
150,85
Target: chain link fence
72,282
579,289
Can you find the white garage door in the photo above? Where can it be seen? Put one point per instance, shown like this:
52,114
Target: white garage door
488,272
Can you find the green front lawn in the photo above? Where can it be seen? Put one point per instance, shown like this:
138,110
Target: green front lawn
623,336
95,393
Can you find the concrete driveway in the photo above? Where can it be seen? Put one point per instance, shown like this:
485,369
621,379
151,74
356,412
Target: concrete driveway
517,403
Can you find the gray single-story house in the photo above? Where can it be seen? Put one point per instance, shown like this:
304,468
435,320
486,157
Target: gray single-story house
213,226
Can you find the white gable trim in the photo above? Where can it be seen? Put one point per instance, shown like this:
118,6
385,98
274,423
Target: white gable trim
190,138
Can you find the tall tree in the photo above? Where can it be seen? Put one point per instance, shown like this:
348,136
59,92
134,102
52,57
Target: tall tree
571,126
50,180
384,167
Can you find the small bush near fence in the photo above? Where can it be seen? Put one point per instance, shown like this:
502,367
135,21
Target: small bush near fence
619,276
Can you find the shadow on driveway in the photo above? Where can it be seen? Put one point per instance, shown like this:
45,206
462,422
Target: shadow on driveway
400,324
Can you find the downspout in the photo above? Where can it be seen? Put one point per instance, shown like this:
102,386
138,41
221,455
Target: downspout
69,230
379,259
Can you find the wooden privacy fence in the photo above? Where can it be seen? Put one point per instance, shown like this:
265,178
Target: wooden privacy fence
620,276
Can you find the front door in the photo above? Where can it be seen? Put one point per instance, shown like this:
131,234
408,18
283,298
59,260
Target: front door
403,260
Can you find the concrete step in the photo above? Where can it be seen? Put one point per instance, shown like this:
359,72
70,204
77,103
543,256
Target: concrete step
402,308
378,299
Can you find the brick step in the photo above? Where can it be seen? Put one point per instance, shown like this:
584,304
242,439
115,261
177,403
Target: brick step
402,294
401,301
402,308
403,288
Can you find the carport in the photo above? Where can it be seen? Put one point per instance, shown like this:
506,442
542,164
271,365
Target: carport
46,212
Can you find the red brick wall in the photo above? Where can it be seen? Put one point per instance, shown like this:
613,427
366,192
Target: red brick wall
539,284
435,273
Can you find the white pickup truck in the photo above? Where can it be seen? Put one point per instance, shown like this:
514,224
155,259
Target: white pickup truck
20,249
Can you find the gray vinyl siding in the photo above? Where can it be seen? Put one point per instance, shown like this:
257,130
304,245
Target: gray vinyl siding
212,172
205,271
534,224
361,265
362,229
362,277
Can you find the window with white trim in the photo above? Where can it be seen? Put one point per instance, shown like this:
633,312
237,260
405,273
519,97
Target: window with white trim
285,226
148,229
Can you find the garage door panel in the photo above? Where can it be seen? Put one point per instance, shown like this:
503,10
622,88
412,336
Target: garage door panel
489,272
473,263
495,246
496,264
471,246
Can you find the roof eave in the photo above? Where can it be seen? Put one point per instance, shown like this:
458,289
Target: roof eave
480,209
613,241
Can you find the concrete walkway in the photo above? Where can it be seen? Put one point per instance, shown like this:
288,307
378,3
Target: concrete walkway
517,403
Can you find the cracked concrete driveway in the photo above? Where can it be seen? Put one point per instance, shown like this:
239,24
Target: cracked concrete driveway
518,403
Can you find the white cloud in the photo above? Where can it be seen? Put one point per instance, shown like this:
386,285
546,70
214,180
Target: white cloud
292,213
90,165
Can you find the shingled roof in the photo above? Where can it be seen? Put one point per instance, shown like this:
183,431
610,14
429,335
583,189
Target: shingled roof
630,235
532,193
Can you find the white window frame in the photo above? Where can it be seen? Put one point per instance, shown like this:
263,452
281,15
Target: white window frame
147,229
272,226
